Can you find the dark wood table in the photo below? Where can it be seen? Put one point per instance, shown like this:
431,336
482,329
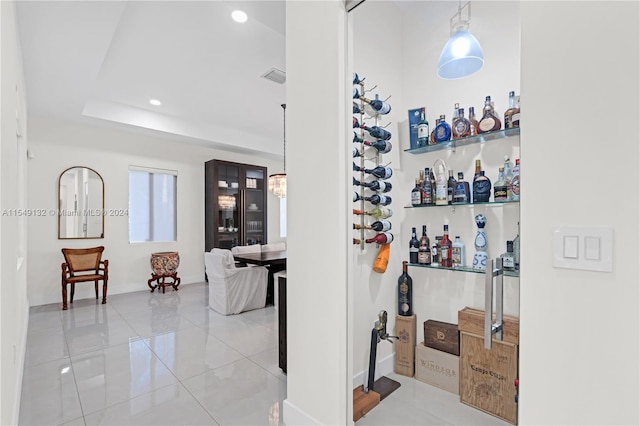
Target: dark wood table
275,261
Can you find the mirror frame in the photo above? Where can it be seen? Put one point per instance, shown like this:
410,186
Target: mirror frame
60,207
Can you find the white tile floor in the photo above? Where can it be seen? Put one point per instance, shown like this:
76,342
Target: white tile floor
167,359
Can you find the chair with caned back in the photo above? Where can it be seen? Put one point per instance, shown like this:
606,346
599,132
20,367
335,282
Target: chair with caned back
84,265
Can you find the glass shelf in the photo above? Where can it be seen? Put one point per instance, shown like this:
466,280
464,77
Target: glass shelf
452,144
488,203
464,269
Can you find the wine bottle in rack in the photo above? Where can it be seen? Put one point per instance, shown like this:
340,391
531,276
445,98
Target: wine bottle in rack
376,212
357,79
356,138
383,147
382,225
381,238
378,106
375,131
383,200
356,152
355,123
356,109
381,172
376,185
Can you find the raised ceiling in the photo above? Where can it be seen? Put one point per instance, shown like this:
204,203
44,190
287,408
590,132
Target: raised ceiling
102,61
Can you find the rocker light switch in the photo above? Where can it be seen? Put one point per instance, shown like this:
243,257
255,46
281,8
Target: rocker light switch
587,249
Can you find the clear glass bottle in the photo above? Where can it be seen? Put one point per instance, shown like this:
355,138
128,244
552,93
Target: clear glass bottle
458,255
512,114
440,173
489,121
473,122
500,187
442,131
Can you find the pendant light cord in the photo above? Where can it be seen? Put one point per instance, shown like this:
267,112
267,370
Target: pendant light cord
284,136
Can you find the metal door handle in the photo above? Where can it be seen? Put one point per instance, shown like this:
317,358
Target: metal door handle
491,328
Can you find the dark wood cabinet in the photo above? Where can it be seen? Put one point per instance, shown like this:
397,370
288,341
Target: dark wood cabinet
235,204
282,322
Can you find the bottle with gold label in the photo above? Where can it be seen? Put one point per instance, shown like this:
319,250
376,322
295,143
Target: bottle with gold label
489,121
512,114
462,126
442,131
473,122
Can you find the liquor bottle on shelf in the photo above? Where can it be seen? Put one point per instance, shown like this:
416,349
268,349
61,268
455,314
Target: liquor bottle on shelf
424,251
500,187
440,173
445,249
423,129
380,172
462,127
481,185
435,251
515,181
382,260
508,261
461,192
516,250
442,131
451,185
426,190
489,121
382,238
414,247
381,146
356,138
512,114
405,293
378,106
473,122
377,132
481,243
508,176
416,196
458,255
454,116
432,135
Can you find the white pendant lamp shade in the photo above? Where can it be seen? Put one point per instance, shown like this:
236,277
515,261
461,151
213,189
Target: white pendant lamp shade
462,55
278,181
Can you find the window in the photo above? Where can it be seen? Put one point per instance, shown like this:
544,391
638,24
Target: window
152,204
283,217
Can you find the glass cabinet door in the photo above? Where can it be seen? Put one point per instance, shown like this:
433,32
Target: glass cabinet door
228,205
254,206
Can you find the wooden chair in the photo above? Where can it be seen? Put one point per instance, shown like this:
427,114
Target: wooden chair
82,265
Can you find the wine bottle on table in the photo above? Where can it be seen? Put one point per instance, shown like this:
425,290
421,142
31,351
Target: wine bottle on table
414,247
405,292
382,238
383,147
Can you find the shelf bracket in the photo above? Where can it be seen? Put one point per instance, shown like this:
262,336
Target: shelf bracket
490,327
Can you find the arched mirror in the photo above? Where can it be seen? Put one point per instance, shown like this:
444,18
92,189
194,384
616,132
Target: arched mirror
80,204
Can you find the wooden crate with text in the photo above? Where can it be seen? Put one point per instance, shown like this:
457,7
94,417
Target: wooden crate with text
406,345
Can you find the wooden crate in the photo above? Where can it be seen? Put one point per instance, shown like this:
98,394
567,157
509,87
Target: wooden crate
442,336
487,377
438,368
472,321
406,345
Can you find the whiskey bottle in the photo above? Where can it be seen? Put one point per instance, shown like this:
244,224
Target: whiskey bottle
489,121
458,253
440,173
473,122
512,114
414,247
500,187
442,131
462,126
426,190
445,249
454,117
416,196
481,185
451,184
423,129
461,192
424,251
405,292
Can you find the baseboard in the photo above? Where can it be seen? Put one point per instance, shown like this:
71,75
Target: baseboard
383,367
20,356
294,416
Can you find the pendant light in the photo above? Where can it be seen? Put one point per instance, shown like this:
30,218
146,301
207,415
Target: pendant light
462,55
278,181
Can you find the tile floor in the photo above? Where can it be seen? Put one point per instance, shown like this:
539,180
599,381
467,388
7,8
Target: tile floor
167,359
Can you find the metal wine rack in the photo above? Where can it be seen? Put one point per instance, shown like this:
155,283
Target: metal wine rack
365,113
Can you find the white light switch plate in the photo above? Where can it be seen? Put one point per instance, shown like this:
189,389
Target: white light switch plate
588,248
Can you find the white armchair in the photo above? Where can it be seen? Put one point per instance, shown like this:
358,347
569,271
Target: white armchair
233,290
274,246
254,248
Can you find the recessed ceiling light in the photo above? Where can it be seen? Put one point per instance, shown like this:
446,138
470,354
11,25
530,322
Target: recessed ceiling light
239,16
155,102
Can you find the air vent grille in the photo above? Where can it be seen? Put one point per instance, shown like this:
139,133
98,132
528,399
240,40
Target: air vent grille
275,75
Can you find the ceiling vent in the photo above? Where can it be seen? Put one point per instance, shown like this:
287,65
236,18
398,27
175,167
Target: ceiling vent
275,75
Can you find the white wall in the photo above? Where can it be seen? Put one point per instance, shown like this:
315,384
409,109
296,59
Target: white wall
13,283
401,59
579,330
58,145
